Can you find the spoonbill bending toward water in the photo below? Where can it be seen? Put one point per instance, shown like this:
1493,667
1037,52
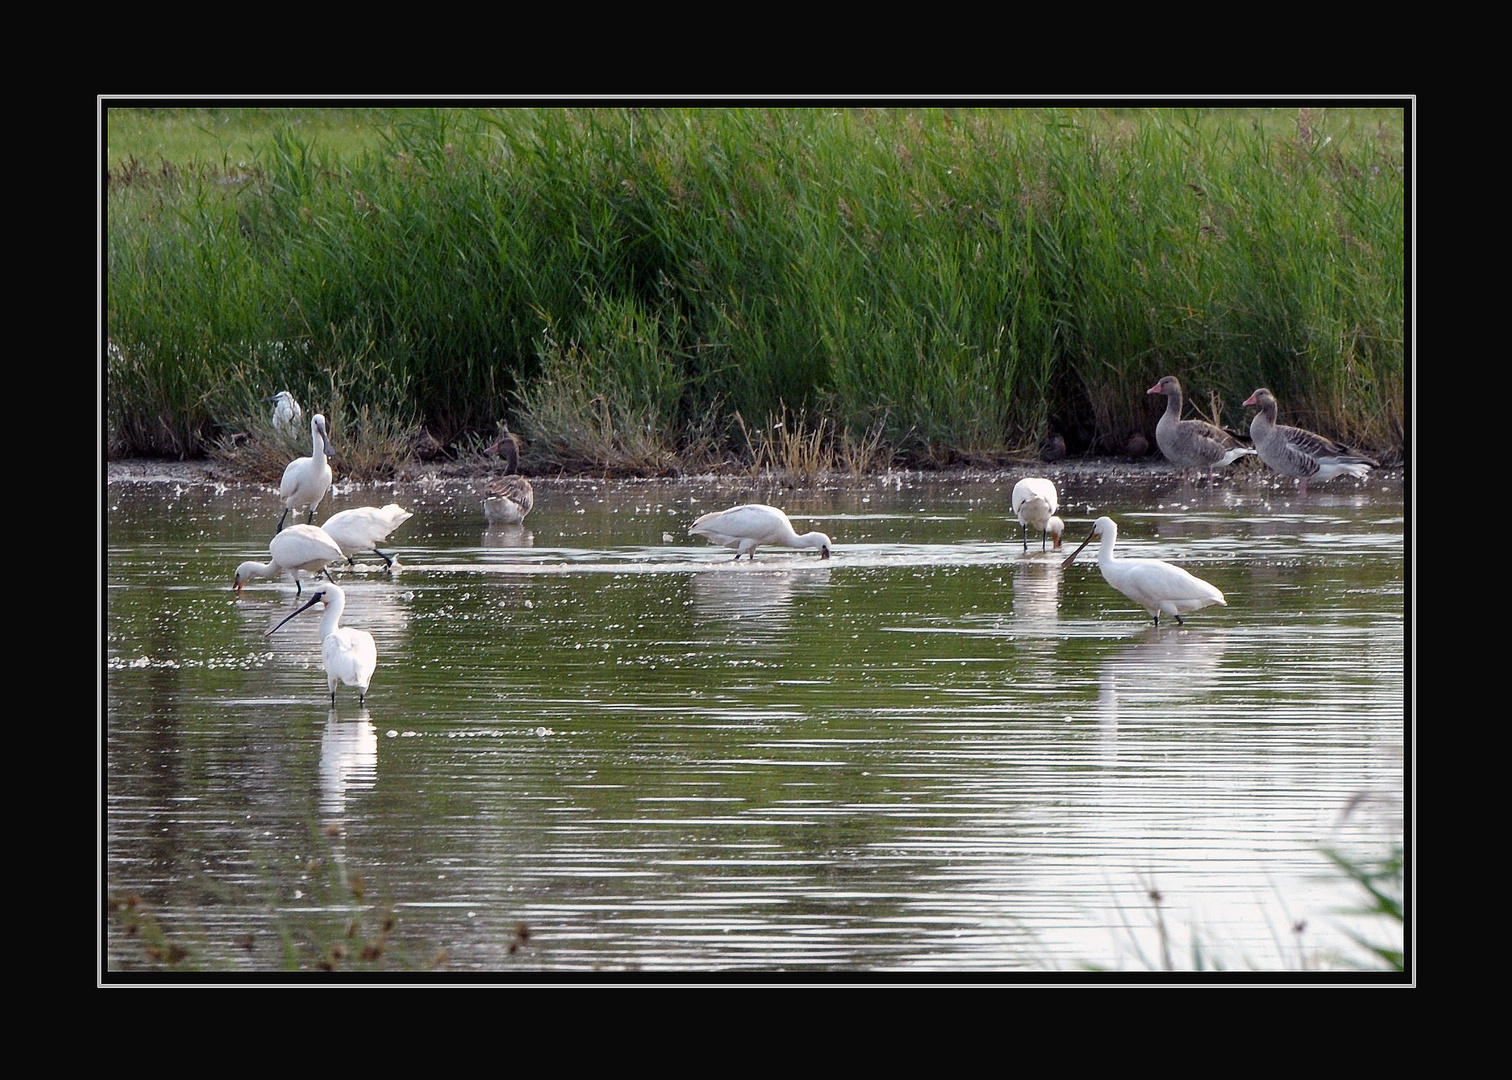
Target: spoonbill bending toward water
349,655
1035,503
287,415
744,527
1298,452
299,547
1154,585
1192,444
362,528
306,479
509,498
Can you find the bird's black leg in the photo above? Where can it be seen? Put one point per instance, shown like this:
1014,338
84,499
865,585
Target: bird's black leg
311,519
387,559
281,519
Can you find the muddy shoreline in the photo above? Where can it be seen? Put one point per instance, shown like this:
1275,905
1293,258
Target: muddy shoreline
165,471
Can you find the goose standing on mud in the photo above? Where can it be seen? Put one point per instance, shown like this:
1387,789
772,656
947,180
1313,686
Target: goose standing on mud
349,656
745,527
1298,452
1157,586
1192,444
363,528
307,479
299,547
509,498
1034,503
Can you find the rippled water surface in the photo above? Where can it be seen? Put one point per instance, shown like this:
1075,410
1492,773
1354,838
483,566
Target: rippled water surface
595,744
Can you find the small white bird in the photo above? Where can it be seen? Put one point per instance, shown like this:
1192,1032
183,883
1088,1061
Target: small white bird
350,656
363,528
306,480
510,497
288,417
1034,503
1155,585
745,527
299,547
1299,452
1192,444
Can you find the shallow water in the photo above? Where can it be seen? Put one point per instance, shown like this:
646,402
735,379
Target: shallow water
595,744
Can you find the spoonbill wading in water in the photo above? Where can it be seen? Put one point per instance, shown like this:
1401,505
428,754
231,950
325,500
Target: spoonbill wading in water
299,547
1192,444
348,655
1154,585
363,528
745,527
509,498
306,480
1035,503
1299,452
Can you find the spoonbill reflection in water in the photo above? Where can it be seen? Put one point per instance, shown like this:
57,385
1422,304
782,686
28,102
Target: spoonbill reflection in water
349,655
1192,444
1035,503
306,479
363,528
1153,584
1299,452
745,527
299,547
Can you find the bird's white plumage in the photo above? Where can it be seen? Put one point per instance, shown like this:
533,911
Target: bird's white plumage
1155,585
1192,444
1035,502
363,528
299,547
348,655
746,527
306,480
288,417
1298,452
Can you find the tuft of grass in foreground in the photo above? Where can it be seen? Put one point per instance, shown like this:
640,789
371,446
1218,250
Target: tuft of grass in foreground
342,930
1380,881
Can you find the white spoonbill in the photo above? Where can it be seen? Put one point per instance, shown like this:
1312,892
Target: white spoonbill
509,498
349,655
1035,503
299,547
287,415
744,527
1192,444
1298,452
306,479
1154,585
362,528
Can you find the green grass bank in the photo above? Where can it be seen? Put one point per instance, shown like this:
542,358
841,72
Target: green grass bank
674,289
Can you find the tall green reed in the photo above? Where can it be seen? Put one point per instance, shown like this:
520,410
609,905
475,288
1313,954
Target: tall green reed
629,281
